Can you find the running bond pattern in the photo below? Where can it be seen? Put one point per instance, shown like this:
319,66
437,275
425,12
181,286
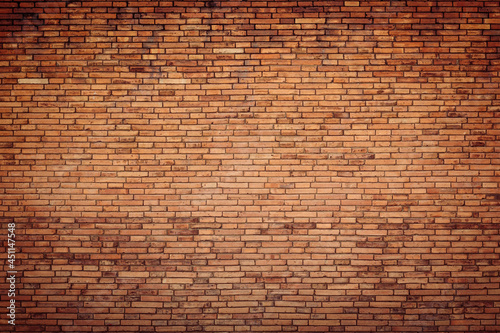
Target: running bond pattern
252,166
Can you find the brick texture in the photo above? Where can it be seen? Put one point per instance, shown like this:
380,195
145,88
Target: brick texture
251,166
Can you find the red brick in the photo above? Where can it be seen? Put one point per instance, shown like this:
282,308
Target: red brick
189,166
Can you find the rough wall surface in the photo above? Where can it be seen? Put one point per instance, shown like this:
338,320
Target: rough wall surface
251,166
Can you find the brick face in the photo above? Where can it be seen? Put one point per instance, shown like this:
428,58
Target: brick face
251,166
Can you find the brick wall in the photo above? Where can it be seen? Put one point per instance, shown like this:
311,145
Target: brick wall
251,166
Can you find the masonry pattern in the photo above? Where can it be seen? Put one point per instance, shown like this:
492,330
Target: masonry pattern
252,166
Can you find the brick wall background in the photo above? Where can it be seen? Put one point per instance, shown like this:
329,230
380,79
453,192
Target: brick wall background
251,166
